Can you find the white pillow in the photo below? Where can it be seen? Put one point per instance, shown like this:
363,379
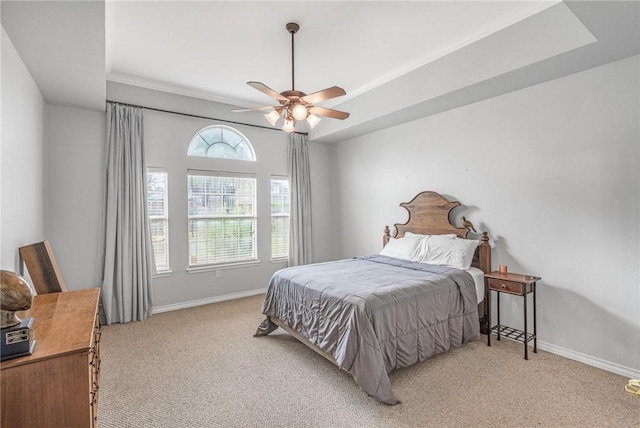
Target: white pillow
421,251
456,253
420,236
401,248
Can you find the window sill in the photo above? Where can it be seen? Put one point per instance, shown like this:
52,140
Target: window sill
280,260
224,266
162,274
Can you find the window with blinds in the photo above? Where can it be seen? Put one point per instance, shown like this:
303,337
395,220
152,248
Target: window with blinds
157,206
280,201
221,218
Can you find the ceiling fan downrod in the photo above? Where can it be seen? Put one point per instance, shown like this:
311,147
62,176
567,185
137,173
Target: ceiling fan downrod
292,28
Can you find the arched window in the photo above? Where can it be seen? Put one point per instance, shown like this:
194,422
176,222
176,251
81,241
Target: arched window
219,141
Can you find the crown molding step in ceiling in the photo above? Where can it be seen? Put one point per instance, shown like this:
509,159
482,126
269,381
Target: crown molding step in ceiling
397,61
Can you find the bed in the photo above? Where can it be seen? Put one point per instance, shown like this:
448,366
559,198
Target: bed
373,314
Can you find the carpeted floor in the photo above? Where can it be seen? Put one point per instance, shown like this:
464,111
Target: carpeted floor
202,367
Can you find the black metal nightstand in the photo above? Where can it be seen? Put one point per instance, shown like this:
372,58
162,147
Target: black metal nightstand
519,285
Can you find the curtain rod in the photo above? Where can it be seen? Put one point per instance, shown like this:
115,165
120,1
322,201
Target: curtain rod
201,117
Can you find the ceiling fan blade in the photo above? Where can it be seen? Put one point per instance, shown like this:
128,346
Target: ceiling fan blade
267,90
255,108
335,114
324,94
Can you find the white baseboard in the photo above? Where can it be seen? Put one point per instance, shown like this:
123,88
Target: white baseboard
544,346
193,303
592,361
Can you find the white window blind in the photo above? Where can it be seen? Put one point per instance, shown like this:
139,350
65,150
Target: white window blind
222,218
280,201
157,206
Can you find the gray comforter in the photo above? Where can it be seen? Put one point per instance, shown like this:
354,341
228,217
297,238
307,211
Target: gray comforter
375,314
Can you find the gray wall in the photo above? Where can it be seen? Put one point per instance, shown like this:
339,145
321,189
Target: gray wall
22,153
74,192
552,173
75,189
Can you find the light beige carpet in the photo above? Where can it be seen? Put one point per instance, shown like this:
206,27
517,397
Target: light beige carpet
202,367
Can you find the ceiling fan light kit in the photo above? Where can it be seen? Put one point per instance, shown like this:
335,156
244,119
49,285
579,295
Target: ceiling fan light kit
295,105
289,125
299,112
313,120
272,117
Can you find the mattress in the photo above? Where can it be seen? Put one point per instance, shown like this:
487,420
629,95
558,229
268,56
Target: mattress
478,279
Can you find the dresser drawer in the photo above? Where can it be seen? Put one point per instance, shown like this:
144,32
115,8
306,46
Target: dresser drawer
508,286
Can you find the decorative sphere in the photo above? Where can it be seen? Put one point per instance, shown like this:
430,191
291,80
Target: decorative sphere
15,295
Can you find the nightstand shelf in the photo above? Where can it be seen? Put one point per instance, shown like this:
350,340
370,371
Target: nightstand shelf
511,333
514,284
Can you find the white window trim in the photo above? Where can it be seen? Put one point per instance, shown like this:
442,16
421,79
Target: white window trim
231,129
163,272
279,177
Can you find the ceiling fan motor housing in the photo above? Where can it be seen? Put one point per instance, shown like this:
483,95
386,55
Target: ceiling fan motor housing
294,96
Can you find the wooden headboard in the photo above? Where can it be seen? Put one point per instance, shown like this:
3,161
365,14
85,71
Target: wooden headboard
429,215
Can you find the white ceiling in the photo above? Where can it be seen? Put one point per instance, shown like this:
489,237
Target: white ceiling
213,48
397,60
62,45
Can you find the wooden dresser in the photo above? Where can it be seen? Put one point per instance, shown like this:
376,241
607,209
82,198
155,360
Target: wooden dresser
56,386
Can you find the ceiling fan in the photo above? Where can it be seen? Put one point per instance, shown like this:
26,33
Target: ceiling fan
296,105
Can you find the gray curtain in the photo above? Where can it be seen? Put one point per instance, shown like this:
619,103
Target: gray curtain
128,254
300,216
